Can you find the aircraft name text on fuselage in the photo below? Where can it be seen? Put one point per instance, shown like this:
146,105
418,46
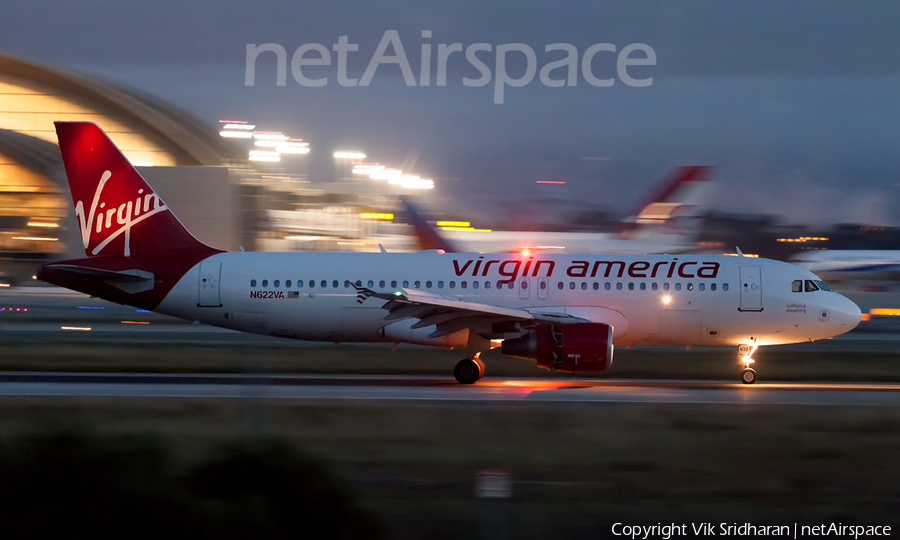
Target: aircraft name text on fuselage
510,269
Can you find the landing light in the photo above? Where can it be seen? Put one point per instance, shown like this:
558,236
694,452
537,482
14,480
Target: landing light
666,299
525,251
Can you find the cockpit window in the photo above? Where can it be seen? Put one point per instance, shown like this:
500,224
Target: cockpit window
797,285
822,285
810,286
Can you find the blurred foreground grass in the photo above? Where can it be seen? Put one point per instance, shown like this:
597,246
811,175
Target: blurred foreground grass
773,363
577,468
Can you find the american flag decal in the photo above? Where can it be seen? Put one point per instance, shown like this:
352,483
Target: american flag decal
293,294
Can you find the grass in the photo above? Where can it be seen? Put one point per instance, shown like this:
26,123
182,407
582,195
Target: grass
576,468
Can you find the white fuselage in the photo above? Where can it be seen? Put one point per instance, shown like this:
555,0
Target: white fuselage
648,299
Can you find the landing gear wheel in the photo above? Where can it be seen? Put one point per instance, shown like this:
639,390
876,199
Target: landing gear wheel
748,376
480,368
467,371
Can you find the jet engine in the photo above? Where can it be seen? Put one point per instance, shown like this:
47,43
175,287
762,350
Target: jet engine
570,348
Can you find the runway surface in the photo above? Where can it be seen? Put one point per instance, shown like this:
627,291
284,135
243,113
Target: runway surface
425,389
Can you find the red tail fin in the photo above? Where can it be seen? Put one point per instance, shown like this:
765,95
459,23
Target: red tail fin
117,212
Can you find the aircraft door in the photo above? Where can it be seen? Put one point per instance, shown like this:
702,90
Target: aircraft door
524,288
543,288
208,285
751,289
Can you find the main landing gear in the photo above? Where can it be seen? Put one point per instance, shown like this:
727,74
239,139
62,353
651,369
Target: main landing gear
745,353
469,370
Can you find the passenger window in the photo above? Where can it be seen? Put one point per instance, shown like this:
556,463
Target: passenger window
452,284
690,286
584,285
463,284
525,285
427,284
405,284
265,283
323,284
797,285
643,286
665,286
560,285
287,284
417,284
572,285
619,286
359,283
724,286
394,284
381,283
701,286
253,283
631,286
654,286
511,285
712,286
487,284
440,284
334,284
810,286
543,285
275,283
312,283
474,284
596,286
607,286
370,284
678,286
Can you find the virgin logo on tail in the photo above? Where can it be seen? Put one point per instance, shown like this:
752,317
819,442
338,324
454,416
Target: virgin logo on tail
116,220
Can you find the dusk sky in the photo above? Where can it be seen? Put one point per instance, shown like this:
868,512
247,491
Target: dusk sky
795,103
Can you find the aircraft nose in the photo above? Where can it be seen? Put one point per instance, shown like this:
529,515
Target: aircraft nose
845,313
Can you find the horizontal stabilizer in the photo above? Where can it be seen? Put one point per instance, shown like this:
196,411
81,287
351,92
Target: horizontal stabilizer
131,281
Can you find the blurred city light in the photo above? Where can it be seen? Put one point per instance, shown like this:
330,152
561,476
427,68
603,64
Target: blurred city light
453,224
367,215
262,155
236,134
350,155
43,224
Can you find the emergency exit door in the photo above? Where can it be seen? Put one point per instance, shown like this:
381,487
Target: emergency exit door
751,289
208,286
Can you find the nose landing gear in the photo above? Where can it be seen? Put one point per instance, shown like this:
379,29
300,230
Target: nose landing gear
745,353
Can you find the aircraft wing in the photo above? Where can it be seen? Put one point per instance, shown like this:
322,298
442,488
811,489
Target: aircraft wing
450,315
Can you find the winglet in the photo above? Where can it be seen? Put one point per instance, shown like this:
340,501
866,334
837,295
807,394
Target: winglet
382,248
739,252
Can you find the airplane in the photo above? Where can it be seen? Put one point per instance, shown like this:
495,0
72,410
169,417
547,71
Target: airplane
564,312
851,265
649,228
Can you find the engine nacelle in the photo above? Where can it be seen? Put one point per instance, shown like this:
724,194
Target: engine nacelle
570,348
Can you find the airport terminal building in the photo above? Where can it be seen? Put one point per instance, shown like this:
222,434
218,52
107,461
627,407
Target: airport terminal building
198,173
